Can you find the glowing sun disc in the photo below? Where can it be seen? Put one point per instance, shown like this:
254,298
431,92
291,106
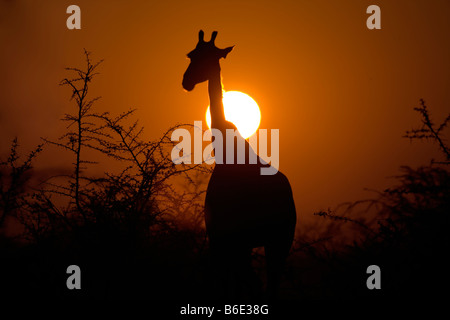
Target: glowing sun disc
241,110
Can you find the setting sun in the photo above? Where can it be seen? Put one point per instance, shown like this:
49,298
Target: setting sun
241,110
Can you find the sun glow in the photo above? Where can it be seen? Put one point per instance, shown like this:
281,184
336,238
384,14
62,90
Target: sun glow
241,110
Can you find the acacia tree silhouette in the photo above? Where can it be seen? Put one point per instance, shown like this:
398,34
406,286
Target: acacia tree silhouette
85,133
404,230
135,215
135,190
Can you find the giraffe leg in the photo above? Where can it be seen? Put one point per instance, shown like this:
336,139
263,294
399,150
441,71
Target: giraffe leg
254,282
276,254
219,271
248,284
230,265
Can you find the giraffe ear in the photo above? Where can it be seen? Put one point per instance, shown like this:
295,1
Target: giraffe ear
224,52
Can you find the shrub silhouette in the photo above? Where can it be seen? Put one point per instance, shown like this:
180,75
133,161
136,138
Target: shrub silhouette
13,180
404,230
131,229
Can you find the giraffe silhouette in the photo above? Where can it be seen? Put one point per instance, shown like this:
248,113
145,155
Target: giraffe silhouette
243,209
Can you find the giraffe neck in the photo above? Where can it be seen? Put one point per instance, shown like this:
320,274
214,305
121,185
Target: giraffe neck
215,101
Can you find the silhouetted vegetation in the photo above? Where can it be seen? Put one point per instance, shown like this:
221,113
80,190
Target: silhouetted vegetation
404,230
137,231
429,131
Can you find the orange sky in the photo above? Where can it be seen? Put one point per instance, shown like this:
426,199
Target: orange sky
341,95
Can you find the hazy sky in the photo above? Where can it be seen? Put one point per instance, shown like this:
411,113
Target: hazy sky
341,95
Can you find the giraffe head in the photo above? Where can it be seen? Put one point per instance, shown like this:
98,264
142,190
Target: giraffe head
204,61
